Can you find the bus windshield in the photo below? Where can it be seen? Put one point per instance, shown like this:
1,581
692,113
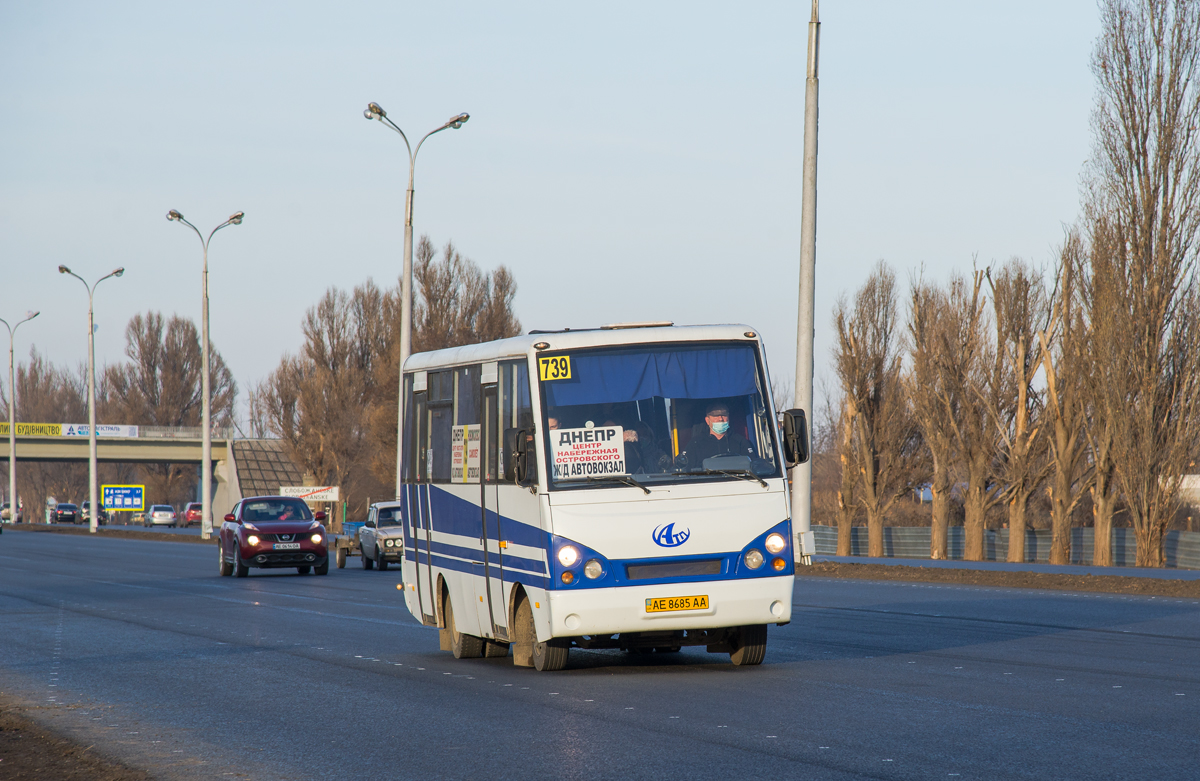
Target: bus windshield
656,413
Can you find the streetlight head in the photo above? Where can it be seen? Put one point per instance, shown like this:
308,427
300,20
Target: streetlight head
63,269
31,314
118,272
457,122
236,217
174,215
374,111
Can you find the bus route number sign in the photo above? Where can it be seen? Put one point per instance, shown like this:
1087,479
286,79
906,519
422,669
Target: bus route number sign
557,367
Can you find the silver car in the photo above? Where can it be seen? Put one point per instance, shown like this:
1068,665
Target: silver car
381,538
160,515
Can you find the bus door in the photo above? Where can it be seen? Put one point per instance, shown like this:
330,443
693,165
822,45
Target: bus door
422,517
493,612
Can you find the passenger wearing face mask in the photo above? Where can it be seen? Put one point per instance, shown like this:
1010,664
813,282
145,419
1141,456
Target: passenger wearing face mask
718,440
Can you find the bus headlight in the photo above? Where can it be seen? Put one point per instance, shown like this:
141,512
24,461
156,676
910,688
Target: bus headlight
568,555
593,569
316,538
753,558
252,540
775,542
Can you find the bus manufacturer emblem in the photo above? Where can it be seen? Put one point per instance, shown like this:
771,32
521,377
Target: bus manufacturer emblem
667,537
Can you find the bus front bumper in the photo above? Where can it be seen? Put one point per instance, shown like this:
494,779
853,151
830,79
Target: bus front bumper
605,611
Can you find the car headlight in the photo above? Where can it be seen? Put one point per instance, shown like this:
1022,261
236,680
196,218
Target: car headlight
775,542
316,538
593,569
388,543
252,540
568,555
753,558
249,525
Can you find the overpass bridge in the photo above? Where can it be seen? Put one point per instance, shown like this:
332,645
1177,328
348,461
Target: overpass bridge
241,467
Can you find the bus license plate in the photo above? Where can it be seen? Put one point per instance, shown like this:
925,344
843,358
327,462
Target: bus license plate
287,546
667,604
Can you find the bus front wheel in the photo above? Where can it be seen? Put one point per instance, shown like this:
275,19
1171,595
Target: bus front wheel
749,645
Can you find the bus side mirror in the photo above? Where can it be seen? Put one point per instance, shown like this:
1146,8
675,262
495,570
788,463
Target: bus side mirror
516,447
795,437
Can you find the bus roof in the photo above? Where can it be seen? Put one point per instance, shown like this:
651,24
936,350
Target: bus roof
519,346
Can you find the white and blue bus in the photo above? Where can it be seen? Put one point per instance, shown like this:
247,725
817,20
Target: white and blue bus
621,487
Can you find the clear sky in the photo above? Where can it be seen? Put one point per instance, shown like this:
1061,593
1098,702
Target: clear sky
628,161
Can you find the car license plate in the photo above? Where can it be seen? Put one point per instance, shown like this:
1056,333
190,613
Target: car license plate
287,546
667,604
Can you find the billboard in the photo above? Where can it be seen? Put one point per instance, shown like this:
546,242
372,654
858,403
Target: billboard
123,497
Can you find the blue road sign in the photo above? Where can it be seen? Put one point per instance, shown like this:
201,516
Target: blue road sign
124,497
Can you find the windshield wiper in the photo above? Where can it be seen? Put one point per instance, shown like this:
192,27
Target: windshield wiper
625,479
745,474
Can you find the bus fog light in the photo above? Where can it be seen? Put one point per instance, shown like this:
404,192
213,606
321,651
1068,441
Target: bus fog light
593,569
779,564
753,558
775,543
567,556
568,578
252,540
573,621
777,608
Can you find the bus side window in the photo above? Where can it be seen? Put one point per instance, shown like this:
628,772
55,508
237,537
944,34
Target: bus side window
516,411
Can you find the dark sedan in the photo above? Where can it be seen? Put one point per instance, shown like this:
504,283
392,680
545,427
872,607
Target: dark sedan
66,512
272,532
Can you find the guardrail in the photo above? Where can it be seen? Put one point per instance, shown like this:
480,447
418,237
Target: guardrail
1182,549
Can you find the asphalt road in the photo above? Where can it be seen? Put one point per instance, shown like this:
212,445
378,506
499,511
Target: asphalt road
140,648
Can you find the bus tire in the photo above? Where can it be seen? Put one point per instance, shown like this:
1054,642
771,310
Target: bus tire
750,645
462,646
551,655
494,650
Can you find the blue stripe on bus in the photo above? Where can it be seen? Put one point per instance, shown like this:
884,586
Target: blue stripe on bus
468,567
475,555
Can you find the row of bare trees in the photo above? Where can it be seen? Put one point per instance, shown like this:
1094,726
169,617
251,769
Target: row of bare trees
159,385
334,404
1087,385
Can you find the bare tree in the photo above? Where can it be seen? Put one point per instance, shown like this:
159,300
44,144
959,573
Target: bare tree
1067,365
935,403
885,444
1144,214
47,394
848,506
970,375
161,386
320,401
1020,309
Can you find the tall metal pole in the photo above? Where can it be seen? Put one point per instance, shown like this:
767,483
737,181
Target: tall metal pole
206,518
374,111
805,321
93,509
12,417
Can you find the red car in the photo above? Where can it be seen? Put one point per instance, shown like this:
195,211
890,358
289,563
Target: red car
272,532
193,513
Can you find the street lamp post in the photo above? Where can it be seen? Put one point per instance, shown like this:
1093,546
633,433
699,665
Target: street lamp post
12,417
206,520
93,509
374,111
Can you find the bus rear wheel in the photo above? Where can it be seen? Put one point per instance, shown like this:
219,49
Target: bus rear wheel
462,646
750,645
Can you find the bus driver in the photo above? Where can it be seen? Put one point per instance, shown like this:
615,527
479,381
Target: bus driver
718,440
